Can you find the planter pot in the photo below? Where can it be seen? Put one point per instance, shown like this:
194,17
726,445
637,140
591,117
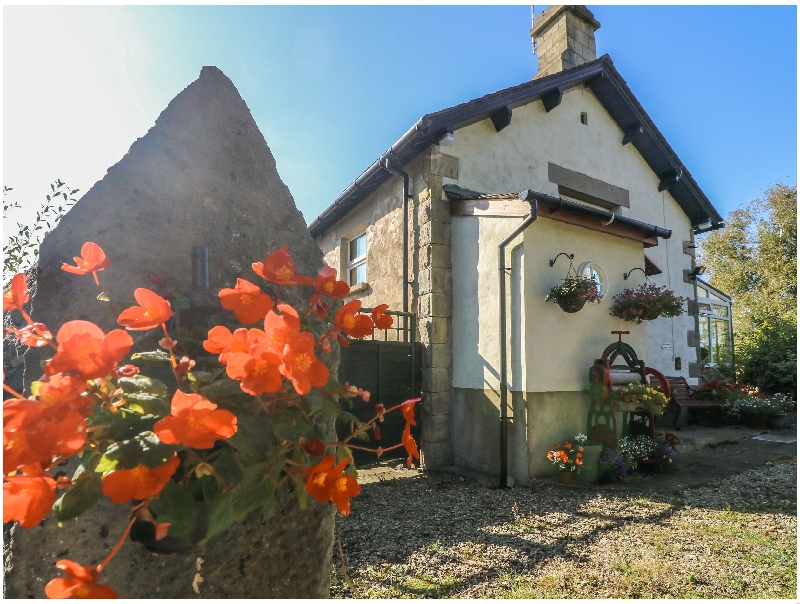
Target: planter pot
591,464
781,420
572,304
627,407
755,420
650,316
565,477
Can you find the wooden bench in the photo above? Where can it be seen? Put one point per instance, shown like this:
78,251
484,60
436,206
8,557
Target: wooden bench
682,396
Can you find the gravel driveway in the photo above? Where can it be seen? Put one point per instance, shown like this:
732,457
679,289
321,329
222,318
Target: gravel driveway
442,535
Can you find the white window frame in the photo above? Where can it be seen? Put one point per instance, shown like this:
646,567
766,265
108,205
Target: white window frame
358,261
602,278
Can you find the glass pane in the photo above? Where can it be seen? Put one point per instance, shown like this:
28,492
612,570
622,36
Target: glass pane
720,341
704,306
358,274
358,247
713,296
702,292
719,310
705,347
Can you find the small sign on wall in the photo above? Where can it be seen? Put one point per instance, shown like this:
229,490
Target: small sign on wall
666,345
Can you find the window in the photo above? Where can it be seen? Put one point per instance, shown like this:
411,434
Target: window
716,328
357,259
592,270
584,118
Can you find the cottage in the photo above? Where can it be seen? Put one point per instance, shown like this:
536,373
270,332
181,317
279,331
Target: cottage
568,163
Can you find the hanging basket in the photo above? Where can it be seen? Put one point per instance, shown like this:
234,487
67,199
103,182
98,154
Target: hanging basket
572,303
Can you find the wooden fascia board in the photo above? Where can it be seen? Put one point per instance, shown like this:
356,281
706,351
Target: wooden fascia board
514,208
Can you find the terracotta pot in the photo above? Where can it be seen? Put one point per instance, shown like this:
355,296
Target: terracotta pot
572,304
565,477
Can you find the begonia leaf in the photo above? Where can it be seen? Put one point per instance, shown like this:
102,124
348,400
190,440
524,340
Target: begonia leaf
82,497
143,384
290,428
253,435
144,449
255,490
127,425
152,405
227,467
175,505
179,301
221,388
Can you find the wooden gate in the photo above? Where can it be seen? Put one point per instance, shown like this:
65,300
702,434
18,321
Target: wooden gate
388,367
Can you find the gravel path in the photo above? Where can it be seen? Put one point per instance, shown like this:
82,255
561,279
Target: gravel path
441,535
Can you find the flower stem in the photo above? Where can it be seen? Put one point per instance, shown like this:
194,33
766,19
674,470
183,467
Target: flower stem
344,566
12,391
117,546
172,360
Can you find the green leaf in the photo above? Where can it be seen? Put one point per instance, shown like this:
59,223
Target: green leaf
291,428
153,355
127,425
349,417
227,467
255,490
253,435
175,505
179,302
221,388
152,405
144,449
142,383
81,497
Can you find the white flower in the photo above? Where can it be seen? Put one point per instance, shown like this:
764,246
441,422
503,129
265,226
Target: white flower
581,438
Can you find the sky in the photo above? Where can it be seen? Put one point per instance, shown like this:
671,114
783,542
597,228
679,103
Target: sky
331,88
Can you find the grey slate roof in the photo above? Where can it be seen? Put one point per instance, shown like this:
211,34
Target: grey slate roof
600,76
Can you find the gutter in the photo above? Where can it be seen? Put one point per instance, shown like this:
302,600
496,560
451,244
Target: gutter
557,203
501,254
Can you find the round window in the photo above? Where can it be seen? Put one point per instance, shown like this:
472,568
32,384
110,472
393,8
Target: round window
592,270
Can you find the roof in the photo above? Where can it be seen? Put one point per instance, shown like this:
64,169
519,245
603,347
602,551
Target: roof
601,77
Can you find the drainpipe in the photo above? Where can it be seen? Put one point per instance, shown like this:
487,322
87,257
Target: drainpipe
501,254
397,172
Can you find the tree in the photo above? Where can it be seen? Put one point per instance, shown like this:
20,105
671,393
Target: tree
754,259
22,249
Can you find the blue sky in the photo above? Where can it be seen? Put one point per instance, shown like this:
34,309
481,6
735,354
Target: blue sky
331,88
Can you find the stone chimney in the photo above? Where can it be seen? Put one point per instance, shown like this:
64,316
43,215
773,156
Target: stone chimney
564,36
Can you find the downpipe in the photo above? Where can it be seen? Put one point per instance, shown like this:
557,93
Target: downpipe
404,175
501,254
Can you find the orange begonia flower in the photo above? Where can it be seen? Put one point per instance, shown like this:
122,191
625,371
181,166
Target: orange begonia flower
381,320
326,482
410,444
85,349
140,482
328,285
195,422
27,499
407,409
153,310
350,322
301,366
279,268
65,390
92,259
258,370
80,582
18,416
246,301
320,306
16,297
280,329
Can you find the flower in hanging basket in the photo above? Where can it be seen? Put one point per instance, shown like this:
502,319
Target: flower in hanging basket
572,293
647,302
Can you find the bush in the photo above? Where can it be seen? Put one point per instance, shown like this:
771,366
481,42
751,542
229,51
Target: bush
768,358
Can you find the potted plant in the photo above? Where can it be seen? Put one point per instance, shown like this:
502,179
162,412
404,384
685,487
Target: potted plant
667,450
574,292
568,459
590,459
646,302
636,449
784,406
642,396
613,467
